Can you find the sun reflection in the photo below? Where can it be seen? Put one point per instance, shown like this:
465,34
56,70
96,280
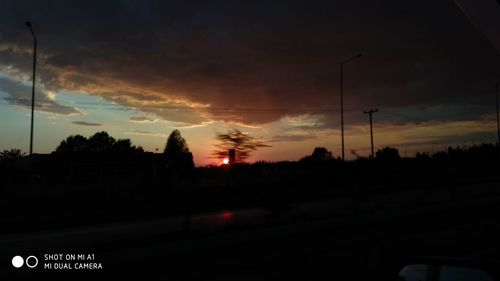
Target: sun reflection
227,216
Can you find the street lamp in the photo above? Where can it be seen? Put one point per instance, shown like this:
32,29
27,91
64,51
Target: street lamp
28,24
342,98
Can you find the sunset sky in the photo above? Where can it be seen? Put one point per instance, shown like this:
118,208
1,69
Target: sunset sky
140,69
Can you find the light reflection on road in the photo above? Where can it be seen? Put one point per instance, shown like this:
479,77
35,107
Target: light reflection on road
223,219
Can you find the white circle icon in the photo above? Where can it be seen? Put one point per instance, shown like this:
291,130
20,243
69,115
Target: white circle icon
33,264
17,261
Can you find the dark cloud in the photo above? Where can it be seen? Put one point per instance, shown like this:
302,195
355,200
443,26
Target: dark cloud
147,133
254,62
467,138
20,94
84,123
140,119
415,114
292,138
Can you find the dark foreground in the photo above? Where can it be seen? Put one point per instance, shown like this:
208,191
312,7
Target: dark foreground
338,239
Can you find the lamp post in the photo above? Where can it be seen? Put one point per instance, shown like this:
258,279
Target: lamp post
28,24
342,98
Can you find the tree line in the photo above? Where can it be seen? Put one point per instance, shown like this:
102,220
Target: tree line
176,152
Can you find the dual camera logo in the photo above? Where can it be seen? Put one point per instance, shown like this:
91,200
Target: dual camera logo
30,261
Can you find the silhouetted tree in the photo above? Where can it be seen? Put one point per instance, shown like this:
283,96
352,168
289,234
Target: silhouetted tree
177,154
387,154
72,143
320,154
478,153
242,143
422,156
11,154
125,145
100,142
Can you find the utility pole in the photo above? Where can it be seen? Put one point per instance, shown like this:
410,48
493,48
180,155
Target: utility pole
498,121
370,112
28,24
342,98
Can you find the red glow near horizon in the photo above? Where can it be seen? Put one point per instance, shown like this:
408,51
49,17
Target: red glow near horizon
227,216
